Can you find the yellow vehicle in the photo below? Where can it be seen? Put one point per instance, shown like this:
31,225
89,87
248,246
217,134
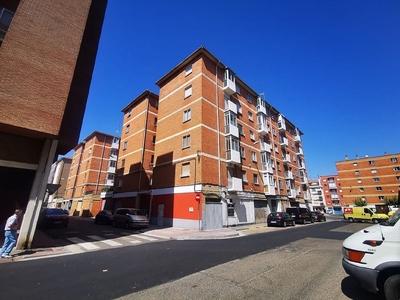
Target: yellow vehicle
363,214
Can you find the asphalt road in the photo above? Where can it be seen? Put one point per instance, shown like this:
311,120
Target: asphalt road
301,262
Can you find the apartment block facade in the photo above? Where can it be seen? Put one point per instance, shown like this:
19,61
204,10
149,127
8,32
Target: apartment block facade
317,195
222,155
369,178
92,172
333,193
47,54
59,177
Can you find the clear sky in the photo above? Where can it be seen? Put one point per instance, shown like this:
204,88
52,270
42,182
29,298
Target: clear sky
331,67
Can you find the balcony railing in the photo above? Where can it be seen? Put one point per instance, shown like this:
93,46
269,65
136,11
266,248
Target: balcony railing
235,184
265,147
286,158
233,156
232,130
263,128
267,168
229,105
284,142
289,175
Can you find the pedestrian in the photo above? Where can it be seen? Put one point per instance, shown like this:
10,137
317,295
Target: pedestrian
10,234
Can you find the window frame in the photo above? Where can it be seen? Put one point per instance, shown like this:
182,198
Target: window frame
186,141
188,92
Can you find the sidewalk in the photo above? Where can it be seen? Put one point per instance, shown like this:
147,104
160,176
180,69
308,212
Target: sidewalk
44,245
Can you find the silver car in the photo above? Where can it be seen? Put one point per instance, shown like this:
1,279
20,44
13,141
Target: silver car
130,217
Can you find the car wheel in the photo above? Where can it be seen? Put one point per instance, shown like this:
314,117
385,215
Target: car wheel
293,223
351,220
324,219
303,221
392,287
269,225
284,224
375,221
114,223
312,221
127,225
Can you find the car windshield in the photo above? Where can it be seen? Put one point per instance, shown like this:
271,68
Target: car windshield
108,212
393,219
136,212
54,211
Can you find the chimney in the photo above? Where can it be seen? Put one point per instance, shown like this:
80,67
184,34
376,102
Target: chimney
346,157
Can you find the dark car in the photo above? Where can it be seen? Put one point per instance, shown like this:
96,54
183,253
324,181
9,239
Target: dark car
52,217
301,215
104,217
319,216
280,219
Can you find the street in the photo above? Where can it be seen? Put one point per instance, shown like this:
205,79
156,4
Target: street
281,263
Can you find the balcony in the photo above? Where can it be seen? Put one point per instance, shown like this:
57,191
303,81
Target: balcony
233,157
281,123
113,157
110,182
299,151
289,175
229,87
291,193
302,165
265,147
334,196
261,109
267,168
115,144
306,195
332,185
269,190
286,158
263,128
232,130
304,180
284,142
229,105
235,184
297,138
111,170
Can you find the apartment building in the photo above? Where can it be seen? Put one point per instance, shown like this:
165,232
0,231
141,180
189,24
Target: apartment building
58,178
332,193
136,155
369,178
92,172
47,54
222,155
317,195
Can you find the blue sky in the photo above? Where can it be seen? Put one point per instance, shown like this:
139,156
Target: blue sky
331,67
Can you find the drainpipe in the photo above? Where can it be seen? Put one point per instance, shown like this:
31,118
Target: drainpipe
273,149
144,140
101,164
218,126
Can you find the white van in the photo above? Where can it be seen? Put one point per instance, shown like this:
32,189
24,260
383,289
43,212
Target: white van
372,257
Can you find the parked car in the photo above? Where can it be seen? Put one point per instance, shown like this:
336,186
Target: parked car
104,217
52,217
319,216
301,215
280,219
130,217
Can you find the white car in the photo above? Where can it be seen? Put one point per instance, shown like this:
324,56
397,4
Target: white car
372,257
130,217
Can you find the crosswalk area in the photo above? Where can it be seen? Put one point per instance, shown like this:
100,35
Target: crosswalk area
109,240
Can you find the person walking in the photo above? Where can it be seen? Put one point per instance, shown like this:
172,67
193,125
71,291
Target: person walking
10,234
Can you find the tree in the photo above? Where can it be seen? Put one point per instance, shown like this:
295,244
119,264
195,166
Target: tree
359,202
391,201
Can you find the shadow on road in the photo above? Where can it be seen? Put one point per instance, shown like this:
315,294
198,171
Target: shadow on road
353,290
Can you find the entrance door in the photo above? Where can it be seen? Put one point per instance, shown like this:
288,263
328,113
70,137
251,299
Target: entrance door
213,216
160,215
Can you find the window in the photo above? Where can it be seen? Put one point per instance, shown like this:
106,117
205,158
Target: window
242,152
239,108
355,164
244,176
362,190
357,172
255,179
154,140
188,92
187,115
185,170
125,146
381,198
371,162
396,169
110,176
5,21
251,135
274,131
122,163
373,171
378,188
250,116
376,179
280,185
393,159
127,128
113,163
359,180
237,89
155,122
129,113
249,98
278,164
253,156
188,70
115,140
241,131
186,141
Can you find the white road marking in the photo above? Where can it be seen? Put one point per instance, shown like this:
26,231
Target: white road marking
108,242
82,243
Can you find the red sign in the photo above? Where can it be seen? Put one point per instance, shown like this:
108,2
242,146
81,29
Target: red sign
197,197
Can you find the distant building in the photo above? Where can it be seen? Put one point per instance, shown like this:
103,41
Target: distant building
369,178
317,195
332,193
47,54
208,152
59,176
92,172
